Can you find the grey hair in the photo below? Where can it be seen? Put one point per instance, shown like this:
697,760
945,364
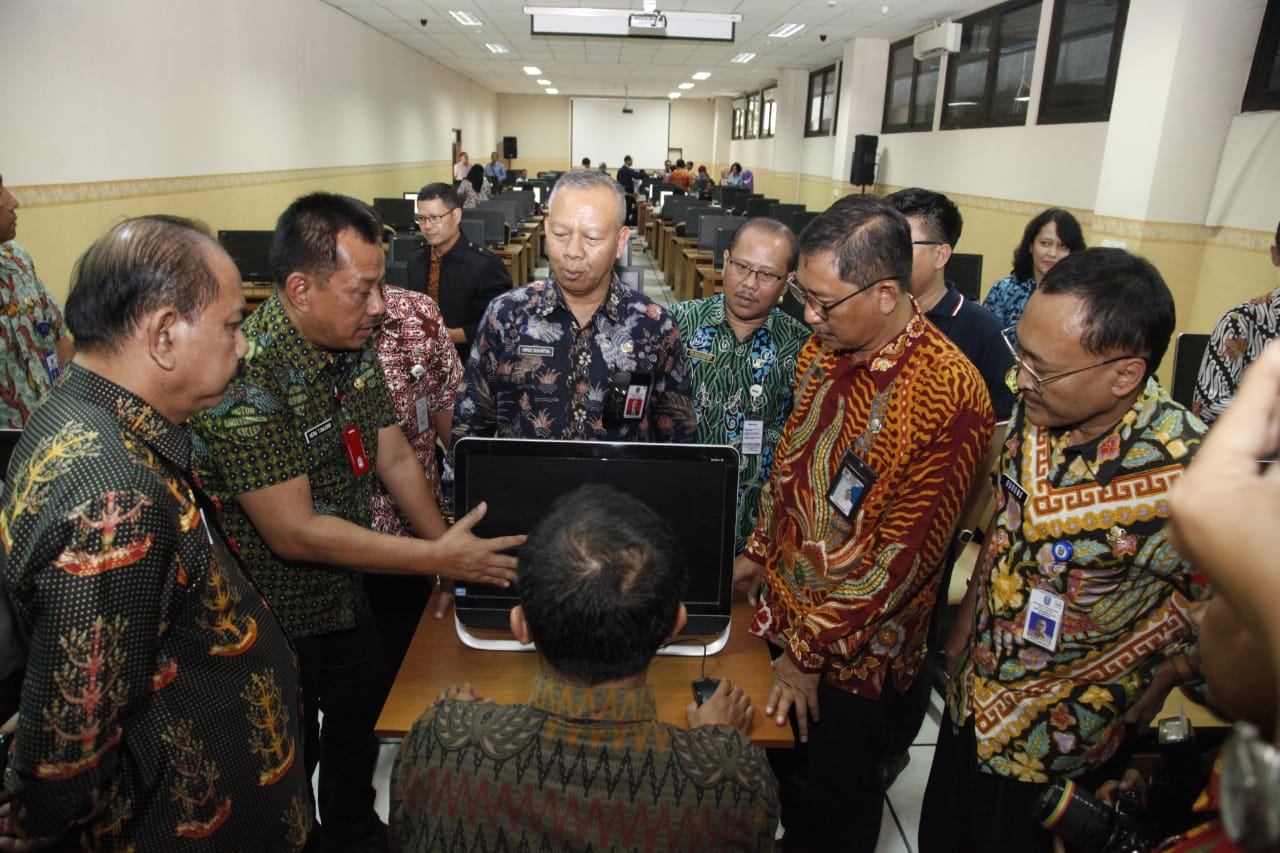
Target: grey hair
585,179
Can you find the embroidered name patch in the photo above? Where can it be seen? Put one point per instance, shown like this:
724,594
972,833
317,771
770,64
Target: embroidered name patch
318,430
531,349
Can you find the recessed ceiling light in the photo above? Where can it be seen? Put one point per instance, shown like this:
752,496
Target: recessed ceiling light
787,30
532,70
702,75
552,91
465,18
686,85
497,48
743,58
544,82
673,95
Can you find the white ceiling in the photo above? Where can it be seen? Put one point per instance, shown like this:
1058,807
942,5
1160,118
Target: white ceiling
650,67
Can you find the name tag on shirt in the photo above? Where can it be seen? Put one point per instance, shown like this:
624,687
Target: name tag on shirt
422,413
52,366
1042,624
700,356
1012,489
752,438
318,430
532,349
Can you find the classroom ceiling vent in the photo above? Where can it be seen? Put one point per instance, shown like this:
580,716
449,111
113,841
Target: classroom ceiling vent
944,38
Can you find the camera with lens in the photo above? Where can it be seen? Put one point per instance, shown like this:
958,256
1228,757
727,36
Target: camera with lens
1084,822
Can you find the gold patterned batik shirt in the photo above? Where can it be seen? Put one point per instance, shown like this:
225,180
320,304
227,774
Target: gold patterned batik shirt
1087,524
160,689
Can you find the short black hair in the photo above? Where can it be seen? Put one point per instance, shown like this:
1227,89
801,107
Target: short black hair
600,579
139,265
1128,306
773,228
586,161
306,238
938,214
445,192
1068,233
870,240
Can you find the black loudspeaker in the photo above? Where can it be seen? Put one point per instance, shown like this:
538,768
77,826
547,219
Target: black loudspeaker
864,159
509,147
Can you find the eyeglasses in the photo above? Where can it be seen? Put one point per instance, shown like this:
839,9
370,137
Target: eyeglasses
768,279
823,310
927,243
431,219
1037,381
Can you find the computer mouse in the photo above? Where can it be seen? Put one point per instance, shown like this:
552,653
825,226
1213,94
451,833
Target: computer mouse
703,688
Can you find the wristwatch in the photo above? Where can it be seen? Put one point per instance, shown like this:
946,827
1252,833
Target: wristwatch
1250,789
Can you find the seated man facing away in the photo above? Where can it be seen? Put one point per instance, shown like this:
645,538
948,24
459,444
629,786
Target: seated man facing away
586,764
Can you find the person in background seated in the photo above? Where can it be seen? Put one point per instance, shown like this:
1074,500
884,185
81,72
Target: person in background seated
741,350
586,163
578,355
734,177
748,180
702,183
1049,237
461,167
1239,338
36,346
160,706
473,189
1079,540
586,764
873,466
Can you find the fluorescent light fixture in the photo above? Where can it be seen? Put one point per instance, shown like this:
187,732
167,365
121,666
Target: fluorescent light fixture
551,91
497,48
1023,98
465,18
743,58
686,86
962,103
702,75
673,95
786,31
532,70
565,21
544,82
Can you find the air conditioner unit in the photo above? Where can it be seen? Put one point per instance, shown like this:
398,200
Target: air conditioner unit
944,38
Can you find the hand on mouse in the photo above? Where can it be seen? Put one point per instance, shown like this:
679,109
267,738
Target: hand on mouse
728,706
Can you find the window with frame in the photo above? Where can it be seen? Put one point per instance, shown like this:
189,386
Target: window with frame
820,110
1083,55
752,129
739,118
989,80
1262,92
768,112
911,93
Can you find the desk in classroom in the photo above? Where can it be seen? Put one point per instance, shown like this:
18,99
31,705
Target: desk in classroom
437,659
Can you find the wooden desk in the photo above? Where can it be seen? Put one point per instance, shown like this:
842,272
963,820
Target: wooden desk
256,294
512,255
437,659
688,285
707,281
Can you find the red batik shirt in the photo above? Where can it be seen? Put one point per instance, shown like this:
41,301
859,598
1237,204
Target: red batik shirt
851,598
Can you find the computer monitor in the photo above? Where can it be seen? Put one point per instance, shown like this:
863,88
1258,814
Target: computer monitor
659,188
251,251
965,271
708,226
782,211
495,223
734,199
759,206
473,230
404,246
800,219
519,478
724,239
412,196
1188,352
632,277
397,213
510,215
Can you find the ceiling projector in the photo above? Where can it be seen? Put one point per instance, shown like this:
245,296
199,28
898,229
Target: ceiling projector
647,21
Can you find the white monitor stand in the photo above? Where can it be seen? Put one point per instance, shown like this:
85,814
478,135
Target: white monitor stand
678,649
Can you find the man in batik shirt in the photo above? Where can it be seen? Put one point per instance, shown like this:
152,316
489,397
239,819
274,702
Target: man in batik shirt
1240,337
890,422
423,372
1078,548
578,355
740,349
160,706
36,347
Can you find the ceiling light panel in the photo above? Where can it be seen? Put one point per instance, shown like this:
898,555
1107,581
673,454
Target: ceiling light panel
497,48
702,75
465,18
786,31
743,58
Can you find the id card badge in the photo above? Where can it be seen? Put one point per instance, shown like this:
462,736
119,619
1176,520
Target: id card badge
422,414
752,438
352,440
854,479
637,395
1042,624
52,366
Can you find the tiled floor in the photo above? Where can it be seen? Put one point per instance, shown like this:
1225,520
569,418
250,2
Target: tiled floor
902,814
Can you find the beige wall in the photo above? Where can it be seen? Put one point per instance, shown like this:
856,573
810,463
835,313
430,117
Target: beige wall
541,125
693,129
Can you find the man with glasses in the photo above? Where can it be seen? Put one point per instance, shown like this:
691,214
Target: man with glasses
1079,544
873,466
741,353
578,355
291,453
460,276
